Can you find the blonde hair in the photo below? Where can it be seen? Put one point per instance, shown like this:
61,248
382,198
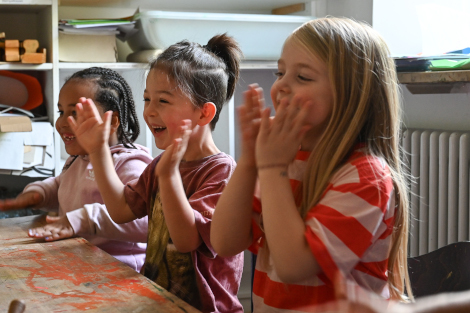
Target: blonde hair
366,109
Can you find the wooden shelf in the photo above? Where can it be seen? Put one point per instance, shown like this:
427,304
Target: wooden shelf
132,66
25,67
431,77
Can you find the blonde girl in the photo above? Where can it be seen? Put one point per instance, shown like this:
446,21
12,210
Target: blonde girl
331,196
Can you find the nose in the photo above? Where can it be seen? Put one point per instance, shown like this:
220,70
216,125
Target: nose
62,122
150,110
282,85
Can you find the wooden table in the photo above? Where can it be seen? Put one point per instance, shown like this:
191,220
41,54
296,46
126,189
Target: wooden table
72,275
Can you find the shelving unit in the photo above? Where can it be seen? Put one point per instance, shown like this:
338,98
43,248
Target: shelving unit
33,19
431,77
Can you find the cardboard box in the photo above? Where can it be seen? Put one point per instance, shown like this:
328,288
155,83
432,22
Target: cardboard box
87,48
15,124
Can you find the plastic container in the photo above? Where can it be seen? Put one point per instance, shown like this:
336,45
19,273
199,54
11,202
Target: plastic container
260,36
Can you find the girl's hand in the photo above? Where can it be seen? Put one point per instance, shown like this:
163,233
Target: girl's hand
90,130
249,116
279,139
171,158
24,200
57,228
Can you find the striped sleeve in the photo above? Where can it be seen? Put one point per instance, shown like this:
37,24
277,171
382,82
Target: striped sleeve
353,215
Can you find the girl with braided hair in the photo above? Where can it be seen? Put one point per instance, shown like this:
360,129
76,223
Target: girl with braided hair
186,87
74,193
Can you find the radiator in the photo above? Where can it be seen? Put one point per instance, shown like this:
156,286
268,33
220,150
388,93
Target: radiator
439,197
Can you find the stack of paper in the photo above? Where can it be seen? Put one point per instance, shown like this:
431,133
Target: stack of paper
122,28
28,153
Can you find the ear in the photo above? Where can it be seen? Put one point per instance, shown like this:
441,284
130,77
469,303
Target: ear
208,112
115,122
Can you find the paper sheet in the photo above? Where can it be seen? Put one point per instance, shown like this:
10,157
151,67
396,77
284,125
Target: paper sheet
41,135
13,150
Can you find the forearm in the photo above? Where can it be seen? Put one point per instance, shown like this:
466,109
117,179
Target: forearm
110,186
179,216
94,219
231,223
284,228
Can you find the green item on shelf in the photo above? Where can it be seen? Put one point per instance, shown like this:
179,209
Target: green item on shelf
449,65
106,21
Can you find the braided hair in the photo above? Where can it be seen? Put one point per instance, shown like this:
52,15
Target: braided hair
206,73
113,94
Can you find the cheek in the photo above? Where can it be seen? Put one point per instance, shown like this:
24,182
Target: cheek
274,94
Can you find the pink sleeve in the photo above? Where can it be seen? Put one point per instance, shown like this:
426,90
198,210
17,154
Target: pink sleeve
48,188
93,219
139,191
204,200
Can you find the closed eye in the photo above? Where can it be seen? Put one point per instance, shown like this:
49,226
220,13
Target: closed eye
305,78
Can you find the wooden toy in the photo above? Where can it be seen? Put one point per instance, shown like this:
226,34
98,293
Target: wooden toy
12,50
25,51
32,54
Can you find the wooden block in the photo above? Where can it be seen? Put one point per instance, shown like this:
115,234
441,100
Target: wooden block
289,9
12,54
34,58
9,43
2,40
30,45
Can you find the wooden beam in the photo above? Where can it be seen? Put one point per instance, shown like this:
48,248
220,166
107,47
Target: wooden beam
298,7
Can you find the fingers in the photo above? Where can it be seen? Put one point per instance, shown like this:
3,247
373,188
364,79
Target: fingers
24,200
51,232
52,219
85,109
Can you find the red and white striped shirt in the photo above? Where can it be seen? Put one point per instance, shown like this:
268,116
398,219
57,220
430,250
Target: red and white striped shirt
349,230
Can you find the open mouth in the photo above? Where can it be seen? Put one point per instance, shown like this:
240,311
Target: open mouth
159,129
68,137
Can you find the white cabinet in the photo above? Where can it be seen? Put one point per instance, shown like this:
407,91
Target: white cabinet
33,19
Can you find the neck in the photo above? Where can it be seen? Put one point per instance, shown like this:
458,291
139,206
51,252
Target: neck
201,144
113,140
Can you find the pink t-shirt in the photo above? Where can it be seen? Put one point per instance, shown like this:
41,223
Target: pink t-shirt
201,278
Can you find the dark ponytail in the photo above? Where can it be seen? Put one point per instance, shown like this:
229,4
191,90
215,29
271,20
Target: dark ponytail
206,73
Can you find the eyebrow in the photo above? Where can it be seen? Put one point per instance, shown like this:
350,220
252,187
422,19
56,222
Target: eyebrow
69,105
160,91
300,65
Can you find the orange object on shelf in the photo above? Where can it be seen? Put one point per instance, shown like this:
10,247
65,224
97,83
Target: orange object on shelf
32,85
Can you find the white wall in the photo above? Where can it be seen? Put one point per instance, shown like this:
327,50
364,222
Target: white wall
429,27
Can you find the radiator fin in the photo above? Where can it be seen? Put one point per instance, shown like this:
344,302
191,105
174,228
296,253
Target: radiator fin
439,188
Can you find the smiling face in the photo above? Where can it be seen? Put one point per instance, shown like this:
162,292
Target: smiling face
165,108
302,74
68,98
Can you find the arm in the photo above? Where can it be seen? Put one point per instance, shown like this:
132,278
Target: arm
231,223
94,219
179,215
40,195
276,147
93,133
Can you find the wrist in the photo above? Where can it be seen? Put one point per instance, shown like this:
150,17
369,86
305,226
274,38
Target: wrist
168,173
247,163
268,166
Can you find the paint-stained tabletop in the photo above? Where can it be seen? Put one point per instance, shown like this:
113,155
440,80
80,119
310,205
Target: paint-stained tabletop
72,275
